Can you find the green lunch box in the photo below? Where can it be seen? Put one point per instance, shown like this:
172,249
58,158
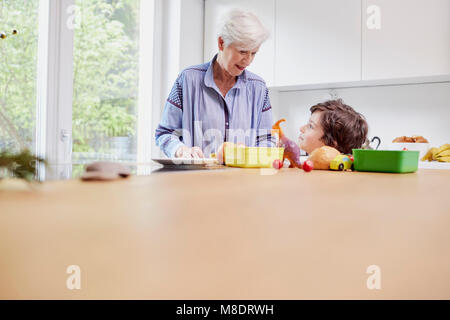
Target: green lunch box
386,160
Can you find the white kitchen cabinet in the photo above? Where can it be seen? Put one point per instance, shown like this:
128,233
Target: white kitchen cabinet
317,41
413,39
263,64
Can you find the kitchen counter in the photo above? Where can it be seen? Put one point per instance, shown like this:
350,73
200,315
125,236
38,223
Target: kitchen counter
230,234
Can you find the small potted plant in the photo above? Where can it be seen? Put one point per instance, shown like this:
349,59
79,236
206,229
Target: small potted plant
17,168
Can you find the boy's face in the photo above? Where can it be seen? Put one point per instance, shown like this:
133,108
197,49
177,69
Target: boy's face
311,133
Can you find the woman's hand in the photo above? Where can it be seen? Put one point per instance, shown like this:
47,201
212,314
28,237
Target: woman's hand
197,153
189,153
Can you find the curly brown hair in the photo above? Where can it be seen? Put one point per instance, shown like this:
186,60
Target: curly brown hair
343,127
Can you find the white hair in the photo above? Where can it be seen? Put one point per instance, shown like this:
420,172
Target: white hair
243,29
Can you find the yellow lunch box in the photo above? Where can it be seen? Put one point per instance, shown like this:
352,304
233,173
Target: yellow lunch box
251,157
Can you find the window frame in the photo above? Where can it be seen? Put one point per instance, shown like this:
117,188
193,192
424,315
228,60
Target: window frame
54,89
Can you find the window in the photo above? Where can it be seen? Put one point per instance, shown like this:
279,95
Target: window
106,80
18,68
76,81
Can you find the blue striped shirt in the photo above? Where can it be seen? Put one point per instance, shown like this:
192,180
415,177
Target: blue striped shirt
197,114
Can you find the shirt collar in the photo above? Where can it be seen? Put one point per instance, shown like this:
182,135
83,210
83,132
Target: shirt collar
209,77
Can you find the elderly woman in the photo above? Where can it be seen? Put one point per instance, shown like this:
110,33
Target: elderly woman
219,101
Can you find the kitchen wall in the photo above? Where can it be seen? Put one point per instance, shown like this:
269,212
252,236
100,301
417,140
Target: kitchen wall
179,29
391,111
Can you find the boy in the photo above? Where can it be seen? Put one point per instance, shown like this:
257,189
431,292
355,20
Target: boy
333,124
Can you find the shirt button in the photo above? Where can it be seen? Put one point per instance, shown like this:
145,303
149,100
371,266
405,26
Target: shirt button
226,123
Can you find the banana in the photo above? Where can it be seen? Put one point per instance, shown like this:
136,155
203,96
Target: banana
444,153
429,155
444,159
441,154
442,148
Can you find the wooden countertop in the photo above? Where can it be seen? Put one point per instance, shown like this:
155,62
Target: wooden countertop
230,234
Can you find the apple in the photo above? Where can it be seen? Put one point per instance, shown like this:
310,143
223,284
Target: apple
277,164
308,166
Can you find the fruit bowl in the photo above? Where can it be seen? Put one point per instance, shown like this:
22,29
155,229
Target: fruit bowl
421,147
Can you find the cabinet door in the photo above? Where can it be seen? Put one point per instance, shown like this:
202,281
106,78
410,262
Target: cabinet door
317,41
263,64
413,38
